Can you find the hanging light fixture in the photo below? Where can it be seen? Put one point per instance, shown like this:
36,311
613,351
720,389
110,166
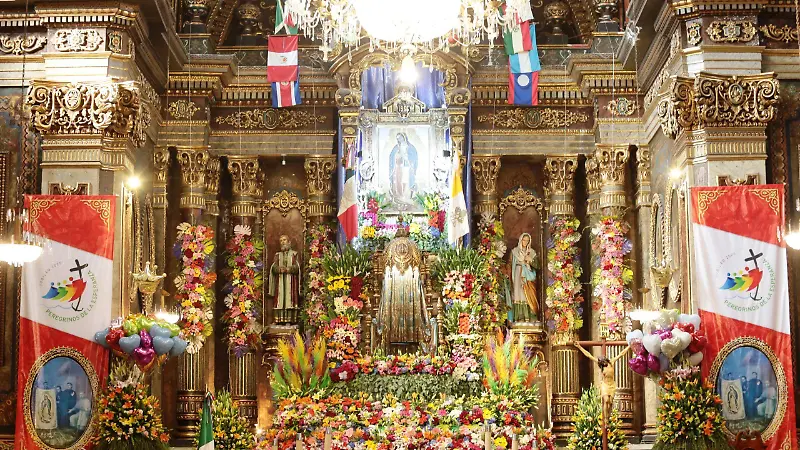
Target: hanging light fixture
792,236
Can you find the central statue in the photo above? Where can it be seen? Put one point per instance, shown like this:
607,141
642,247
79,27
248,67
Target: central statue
403,323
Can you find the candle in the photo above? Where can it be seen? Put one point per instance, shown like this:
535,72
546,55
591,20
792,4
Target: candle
328,439
514,442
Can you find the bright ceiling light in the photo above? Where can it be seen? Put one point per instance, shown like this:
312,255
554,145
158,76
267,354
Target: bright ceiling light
21,246
675,173
133,183
793,240
408,70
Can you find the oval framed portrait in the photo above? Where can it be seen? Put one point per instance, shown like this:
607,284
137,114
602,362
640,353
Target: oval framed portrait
750,380
59,400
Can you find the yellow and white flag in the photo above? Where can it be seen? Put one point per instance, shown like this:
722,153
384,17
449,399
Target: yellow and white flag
457,216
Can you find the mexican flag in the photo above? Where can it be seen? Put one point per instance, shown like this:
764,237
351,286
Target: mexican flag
283,22
348,206
205,440
519,39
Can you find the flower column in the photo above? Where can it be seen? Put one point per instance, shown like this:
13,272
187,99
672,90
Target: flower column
239,334
611,163
562,296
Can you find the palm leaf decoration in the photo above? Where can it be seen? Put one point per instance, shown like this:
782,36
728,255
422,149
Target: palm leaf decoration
301,369
509,371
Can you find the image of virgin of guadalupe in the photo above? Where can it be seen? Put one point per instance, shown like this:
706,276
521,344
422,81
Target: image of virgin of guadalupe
403,163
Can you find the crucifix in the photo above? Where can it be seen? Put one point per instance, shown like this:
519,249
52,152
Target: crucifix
78,268
608,387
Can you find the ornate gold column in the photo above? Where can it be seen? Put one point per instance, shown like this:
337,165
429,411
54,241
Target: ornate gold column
319,183
244,208
560,172
611,162
192,367
161,162
485,169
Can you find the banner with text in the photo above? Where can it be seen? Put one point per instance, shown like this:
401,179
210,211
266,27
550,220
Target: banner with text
66,298
741,289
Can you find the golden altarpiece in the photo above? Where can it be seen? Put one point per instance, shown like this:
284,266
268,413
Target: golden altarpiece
637,102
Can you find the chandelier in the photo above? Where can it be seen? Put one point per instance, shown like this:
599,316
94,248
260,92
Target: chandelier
406,26
22,246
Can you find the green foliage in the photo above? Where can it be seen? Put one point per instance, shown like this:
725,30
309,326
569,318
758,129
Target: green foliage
462,259
231,430
134,443
414,387
509,373
301,370
350,262
587,431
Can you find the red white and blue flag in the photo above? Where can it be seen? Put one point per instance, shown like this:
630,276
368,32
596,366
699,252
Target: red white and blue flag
348,206
523,88
282,59
740,284
66,298
285,93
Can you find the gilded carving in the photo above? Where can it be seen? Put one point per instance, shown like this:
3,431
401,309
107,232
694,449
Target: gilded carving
83,108
611,161
285,201
244,172
485,169
785,33
643,166
693,34
193,167
319,171
161,163
78,40
731,31
183,109
560,172
115,41
592,175
520,199
211,176
21,44
622,107
348,98
534,118
676,110
271,118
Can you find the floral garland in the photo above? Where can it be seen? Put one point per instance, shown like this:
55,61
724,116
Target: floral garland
426,231
244,291
318,242
492,246
563,292
343,332
194,250
611,276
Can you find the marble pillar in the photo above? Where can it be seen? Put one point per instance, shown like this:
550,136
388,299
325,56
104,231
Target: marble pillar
485,169
560,172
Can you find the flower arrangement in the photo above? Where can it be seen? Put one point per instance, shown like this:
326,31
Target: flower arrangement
318,243
243,301
671,340
426,231
509,374
563,292
433,203
461,275
492,246
301,369
127,417
587,433
194,250
611,276
231,429
689,416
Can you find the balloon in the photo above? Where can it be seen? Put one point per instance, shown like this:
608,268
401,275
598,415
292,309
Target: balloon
179,347
129,343
100,338
635,334
162,345
648,328
652,343
671,347
174,329
699,341
143,356
653,364
696,359
683,336
638,364
113,337
693,319
636,346
687,327
664,362
145,323
665,333
147,340
130,327
157,330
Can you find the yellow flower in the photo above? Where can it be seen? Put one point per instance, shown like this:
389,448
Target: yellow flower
368,232
413,228
500,442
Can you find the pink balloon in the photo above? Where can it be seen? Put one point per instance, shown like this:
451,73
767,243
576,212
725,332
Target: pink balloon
638,364
147,340
143,356
636,346
653,363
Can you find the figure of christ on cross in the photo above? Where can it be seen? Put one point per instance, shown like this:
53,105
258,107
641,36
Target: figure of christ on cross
608,387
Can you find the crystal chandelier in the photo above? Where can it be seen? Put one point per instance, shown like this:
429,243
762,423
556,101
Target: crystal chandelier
22,246
406,26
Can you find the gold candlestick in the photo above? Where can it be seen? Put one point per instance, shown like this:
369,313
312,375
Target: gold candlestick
147,282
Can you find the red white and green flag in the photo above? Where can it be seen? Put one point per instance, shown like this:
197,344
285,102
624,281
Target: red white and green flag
348,205
283,21
518,39
740,286
66,298
205,436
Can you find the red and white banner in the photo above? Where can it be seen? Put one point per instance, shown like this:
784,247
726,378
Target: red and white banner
66,298
741,288
282,58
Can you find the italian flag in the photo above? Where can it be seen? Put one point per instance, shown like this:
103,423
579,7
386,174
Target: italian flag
348,207
282,22
205,439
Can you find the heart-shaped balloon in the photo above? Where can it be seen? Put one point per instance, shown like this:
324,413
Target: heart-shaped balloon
100,338
174,329
699,341
147,340
687,327
670,316
157,330
693,319
179,347
652,343
638,364
113,337
635,334
145,323
636,346
130,343
653,364
162,345
665,333
671,347
130,327
696,358
663,362
683,336
648,328
143,356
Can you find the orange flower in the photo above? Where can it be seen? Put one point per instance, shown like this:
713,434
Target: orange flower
678,415
708,428
678,396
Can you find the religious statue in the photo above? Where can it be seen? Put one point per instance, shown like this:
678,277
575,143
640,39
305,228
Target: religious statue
284,282
524,304
608,387
403,321
403,163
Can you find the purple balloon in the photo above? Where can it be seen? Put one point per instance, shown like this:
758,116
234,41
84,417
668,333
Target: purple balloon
143,356
147,340
666,333
636,346
638,364
653,364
